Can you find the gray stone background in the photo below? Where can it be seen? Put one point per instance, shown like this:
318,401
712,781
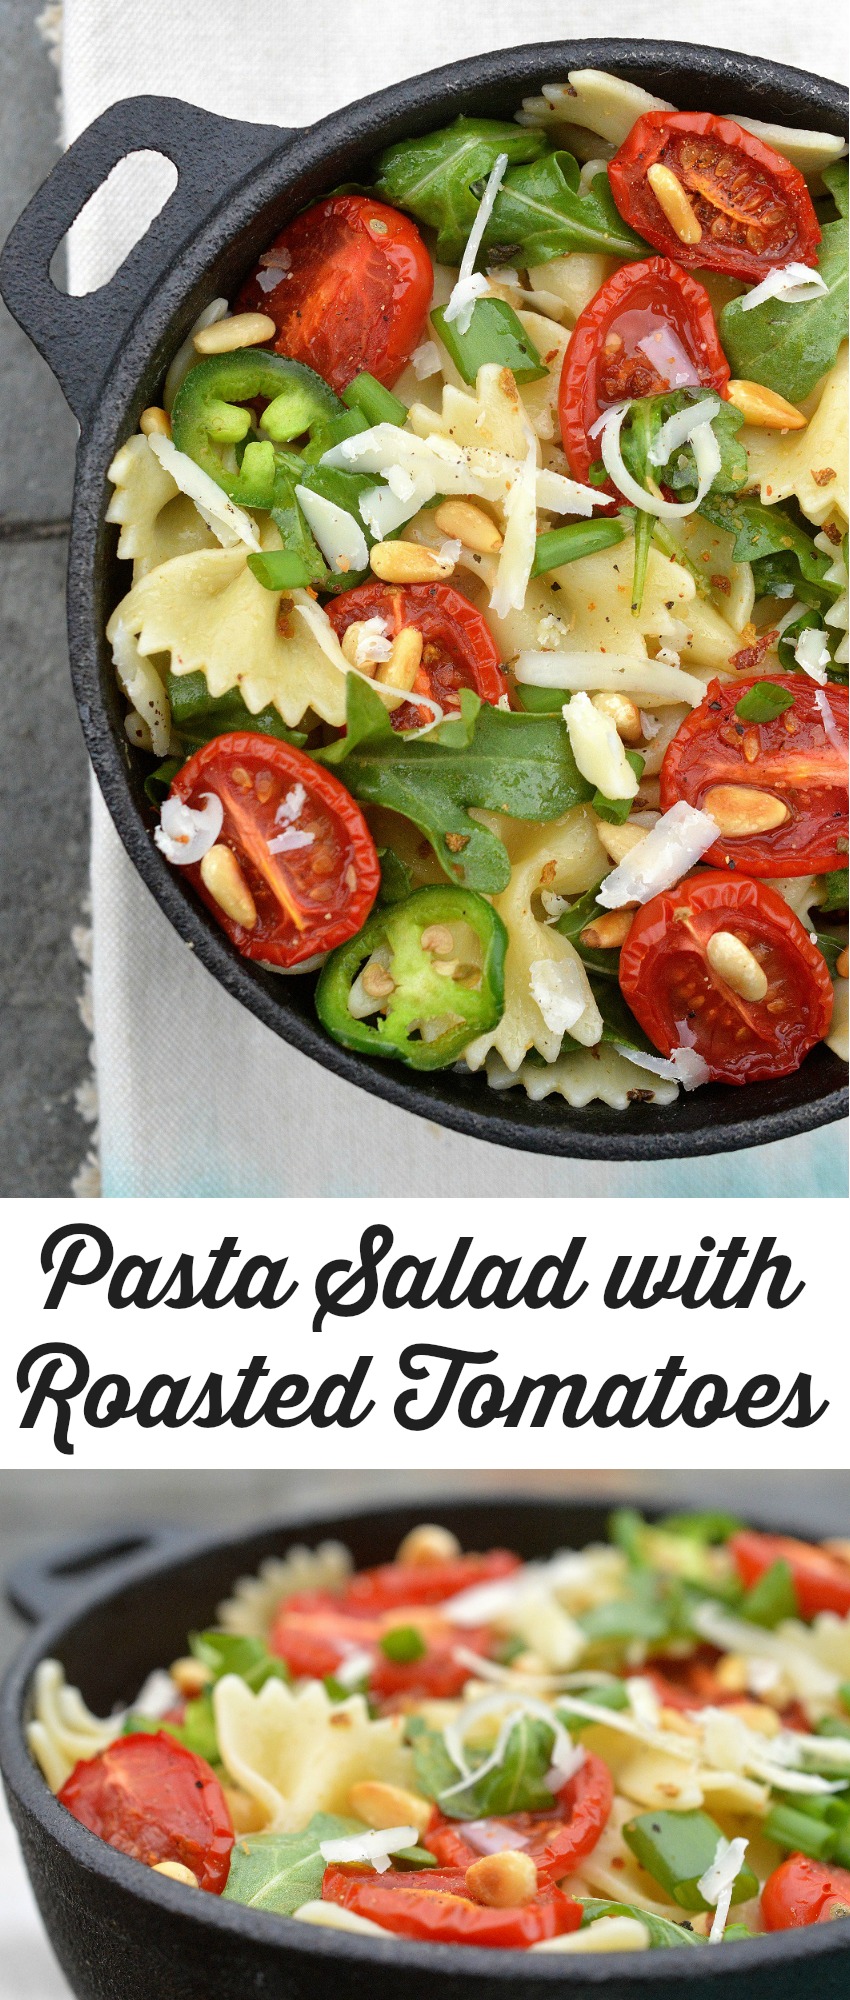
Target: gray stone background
43,770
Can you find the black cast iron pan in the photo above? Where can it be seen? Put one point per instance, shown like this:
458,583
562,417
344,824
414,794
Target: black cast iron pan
238,184
122,1604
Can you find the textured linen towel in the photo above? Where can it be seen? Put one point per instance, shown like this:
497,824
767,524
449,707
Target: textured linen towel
232,1119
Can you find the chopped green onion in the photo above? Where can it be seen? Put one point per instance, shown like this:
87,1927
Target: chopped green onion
494,334
541,701
598,473
617,810
403,1644
580,538
416,1857
279,569
800,1833
763,702
348,425
377,404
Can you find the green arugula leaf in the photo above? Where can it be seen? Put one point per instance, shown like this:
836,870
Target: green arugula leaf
780,551
516,764
433,177
836,890
197,1731
198,716
539,213
237,1653
280,1871
158,783
763,702
661,1932
680,472
786,347
516,1786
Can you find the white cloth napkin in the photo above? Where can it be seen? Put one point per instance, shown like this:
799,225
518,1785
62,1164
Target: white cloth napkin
242,1113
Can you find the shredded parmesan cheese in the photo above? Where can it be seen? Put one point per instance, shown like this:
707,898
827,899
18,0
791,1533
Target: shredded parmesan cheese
718,1882
471,283
340,537
794,284
674,845
598,750
186,833
228,522
374,1847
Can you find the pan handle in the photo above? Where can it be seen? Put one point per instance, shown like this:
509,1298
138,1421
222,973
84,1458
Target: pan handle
80,336
42,1586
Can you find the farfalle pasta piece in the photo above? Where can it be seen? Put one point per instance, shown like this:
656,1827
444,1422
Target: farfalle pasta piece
207,613
490,416
585,1076
808,465
297,1753
255,1600
156,520
63,1729
585,607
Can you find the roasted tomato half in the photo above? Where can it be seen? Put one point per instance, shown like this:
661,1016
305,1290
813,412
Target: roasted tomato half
705,191
458,649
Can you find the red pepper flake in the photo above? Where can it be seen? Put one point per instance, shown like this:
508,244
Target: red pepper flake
833,533
825,476
751,656
723,584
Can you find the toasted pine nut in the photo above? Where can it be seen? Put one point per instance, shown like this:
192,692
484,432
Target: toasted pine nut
349,642
428,1544
463,522
764,408
755,1715
671,197
618,841
402,667
222,875
408,562
246,1814
742,809
841,969
242,330
732,1673
439,941
383,1805
176,1873
733,960
377,982
503,1881
624,714
190,1677
155,422
837,1545
605,933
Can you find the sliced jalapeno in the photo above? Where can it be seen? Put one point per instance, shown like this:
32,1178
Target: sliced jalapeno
422,979
209,419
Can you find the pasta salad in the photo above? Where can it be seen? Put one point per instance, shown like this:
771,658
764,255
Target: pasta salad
634,1746
488,620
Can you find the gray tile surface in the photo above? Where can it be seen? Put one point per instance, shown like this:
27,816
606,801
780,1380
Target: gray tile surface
43,770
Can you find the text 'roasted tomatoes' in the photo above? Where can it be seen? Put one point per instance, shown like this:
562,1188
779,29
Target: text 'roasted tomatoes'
458,648
680,999
792,760
650,328
803,1892
821,1580
437,1905
304,852
750,209
152,1799
556,1841
348,285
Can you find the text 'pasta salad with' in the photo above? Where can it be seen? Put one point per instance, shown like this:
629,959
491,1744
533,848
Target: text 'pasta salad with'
639,1745
488,620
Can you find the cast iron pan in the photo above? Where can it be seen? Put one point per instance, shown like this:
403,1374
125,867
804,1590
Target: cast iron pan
238,184
121,1604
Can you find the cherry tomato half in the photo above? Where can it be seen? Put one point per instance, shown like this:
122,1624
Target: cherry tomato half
459,650
679,999
309,894
792,758
315,1635
348,285
821,1580
753,208
399,1583
801,1892
436,1904
152,1799
650,328
556,1841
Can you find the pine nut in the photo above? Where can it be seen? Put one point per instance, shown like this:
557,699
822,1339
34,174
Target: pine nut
190,1677
755,1715
503,1881
176,1873
439,941
349,643
222,875
383,1805
742,809
377,982
402,667
733,960
155,422
732,1673
671,197
408,562
618,841
243,330
841,964
608,931
463,522
764,408
428,1544
624,714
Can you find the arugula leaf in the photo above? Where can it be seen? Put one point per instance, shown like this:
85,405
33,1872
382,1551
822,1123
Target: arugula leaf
238,1653
836,890
540,213
280,1871
197,1731
661,1931
680,472
198,716
786,347
780,551
158,783
516,764
433,177
516,1786
763,702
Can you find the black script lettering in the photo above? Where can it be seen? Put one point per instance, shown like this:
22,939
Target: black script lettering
374,1245
46,1388
78,1237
